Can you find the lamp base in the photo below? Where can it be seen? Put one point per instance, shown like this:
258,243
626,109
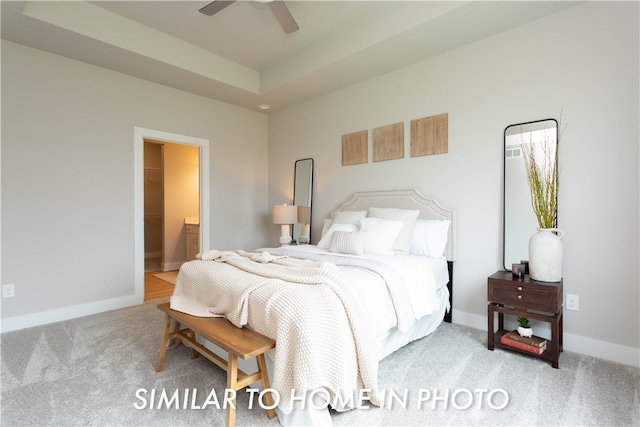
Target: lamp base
285,240
304,234
285,234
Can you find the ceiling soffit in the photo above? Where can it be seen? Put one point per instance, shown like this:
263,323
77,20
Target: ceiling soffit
367,40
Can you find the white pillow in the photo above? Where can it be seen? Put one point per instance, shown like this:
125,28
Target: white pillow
381,234
347,242
325,241
348,217
430,237
342,217
325,227
402,245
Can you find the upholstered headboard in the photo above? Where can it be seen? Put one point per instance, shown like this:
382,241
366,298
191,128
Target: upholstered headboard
407,199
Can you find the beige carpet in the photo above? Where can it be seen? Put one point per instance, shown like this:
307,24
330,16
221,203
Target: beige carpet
94,370
167,276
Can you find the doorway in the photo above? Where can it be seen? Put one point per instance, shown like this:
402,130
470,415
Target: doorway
171,204
172,254
153,207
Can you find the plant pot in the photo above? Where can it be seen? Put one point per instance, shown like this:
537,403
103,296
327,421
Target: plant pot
525,332
545,255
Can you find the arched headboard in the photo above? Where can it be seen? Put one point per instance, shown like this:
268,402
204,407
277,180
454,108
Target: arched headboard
412,199
407,199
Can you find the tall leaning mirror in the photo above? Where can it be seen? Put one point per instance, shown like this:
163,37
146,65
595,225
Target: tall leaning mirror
520,222
302,196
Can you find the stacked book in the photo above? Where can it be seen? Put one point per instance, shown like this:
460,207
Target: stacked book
535,345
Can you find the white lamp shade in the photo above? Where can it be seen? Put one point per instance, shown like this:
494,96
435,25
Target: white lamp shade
285,214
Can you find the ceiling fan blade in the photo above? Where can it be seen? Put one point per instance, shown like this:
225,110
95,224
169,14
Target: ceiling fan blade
282,14
215,6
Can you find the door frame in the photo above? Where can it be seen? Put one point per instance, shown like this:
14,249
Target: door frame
140,134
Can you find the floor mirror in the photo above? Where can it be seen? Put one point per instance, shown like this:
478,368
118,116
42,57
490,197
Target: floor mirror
519,220
302,197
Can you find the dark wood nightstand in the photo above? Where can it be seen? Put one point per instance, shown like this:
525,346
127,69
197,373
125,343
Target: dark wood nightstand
528,298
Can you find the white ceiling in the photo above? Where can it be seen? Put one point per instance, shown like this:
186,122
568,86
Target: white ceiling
241,55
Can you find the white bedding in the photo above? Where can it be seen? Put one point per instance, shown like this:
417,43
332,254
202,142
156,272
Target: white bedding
411,290
388,337
424,277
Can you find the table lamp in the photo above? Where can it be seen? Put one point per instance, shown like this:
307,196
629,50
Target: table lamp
285,215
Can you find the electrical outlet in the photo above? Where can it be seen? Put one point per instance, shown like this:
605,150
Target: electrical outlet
8,290
572,302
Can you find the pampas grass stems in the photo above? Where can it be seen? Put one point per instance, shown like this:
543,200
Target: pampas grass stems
542,176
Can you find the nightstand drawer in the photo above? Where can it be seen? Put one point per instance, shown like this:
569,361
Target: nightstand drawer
523,295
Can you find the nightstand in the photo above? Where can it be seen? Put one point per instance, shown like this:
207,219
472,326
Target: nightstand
527,298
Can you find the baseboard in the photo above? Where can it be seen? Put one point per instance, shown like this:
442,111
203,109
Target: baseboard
58,315
576,343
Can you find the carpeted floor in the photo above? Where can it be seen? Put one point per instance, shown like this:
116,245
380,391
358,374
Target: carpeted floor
92,371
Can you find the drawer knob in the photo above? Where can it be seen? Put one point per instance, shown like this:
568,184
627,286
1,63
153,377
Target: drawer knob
519,288
519,296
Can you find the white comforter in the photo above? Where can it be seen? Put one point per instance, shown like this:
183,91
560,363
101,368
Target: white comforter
397,303
322,332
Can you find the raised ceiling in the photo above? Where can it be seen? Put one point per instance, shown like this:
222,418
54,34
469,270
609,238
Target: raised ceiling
241,55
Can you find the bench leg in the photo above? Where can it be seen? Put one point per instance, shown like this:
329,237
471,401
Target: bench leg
192,335
232,384
163,343
264,383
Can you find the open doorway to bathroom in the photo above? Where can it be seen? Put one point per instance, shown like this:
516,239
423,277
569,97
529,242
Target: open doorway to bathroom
171,212
171,206
153,205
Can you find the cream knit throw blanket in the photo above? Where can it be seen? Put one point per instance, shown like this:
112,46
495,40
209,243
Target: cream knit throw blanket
321,331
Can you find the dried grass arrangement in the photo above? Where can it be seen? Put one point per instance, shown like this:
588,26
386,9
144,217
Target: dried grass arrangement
541,163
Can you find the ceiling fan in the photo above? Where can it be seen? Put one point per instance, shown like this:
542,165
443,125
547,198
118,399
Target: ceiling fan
278,8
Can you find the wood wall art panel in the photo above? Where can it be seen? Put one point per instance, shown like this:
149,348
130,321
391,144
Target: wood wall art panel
355,148
430,135
388,142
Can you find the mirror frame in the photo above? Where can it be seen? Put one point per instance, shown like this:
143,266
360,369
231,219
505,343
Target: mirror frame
301,182
525,127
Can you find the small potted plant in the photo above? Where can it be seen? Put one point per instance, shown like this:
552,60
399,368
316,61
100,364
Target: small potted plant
524,328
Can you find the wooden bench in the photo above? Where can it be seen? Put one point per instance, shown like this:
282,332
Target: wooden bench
237,342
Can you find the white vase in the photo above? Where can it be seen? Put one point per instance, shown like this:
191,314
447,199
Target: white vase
545,255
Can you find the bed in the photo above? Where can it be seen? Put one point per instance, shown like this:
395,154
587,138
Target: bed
380,277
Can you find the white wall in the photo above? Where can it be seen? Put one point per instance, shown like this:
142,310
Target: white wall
582,62
68,224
